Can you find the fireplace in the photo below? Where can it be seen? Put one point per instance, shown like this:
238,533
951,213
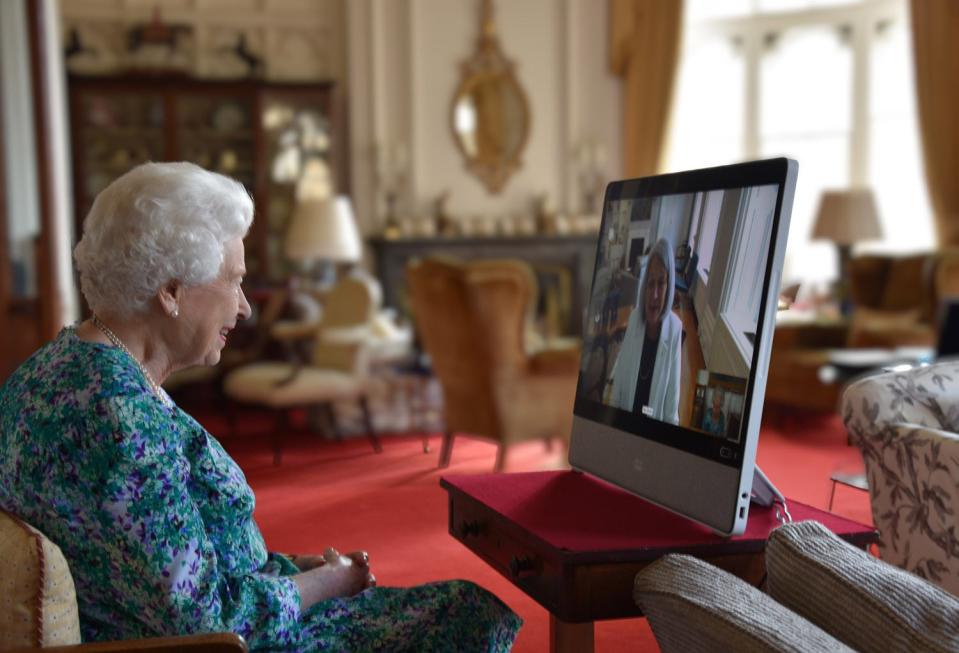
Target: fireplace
563,266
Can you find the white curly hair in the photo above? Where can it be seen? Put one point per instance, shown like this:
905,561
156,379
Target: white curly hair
157,223
663,250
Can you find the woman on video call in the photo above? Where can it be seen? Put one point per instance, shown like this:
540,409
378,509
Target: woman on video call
646,372
714,422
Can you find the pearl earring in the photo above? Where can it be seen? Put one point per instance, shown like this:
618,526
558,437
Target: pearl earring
175,313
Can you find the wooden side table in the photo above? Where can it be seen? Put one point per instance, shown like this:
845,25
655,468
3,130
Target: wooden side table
574,543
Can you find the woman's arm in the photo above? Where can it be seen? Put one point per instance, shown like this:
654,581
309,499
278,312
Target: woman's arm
168,574
671,411
617,393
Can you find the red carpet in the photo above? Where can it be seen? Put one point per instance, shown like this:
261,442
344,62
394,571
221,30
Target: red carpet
342,494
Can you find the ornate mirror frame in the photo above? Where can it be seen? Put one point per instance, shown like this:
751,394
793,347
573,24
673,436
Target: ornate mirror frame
488,78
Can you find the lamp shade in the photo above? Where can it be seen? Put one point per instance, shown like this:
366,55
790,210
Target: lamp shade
702,377
323,229
847,217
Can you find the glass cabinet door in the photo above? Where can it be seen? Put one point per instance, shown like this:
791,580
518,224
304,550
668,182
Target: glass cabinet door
298,146
216,131
117,131
273,138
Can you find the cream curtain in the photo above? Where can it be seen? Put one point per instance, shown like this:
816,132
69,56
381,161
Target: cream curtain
935,26
644,49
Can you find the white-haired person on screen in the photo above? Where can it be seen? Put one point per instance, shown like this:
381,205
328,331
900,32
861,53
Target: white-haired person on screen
714,421
646,372
153,516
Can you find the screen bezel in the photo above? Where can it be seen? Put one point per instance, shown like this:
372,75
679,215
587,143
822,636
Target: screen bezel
639,443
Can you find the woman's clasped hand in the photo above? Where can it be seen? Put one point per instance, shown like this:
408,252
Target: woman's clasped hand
332,575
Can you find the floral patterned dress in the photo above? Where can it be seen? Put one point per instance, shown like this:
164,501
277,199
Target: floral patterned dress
156,522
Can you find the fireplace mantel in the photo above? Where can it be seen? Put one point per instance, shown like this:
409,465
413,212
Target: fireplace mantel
546,255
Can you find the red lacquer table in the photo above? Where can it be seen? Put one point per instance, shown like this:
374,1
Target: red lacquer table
575,543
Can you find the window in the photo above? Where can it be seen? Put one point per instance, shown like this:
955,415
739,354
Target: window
710,129
22,203
706,229
743,297
826,82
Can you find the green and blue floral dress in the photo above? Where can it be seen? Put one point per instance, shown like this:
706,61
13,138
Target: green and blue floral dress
156,522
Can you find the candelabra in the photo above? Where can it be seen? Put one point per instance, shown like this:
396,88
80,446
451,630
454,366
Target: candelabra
391,166
589,159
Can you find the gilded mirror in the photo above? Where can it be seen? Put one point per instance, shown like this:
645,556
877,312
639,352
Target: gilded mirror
489,114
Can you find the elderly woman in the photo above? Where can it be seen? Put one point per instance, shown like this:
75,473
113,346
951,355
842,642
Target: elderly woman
155,519
645,376
714,421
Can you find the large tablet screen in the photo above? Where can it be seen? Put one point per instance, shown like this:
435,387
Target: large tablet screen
678,308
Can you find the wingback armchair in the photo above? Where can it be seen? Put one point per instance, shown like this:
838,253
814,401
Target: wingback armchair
905,425
894,301
472,319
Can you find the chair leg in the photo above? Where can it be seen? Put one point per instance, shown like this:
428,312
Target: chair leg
500,458
417,407
368,422
330,418
446,450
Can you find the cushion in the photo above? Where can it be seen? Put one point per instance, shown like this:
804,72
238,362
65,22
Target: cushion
38,603
888,329
266,383
906,283
860,600
867,280
693,606
947,274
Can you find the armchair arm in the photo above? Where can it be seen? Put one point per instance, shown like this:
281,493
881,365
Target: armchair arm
811,335
295,368
692,605
205,643
346,349
349,335
292,330
555,361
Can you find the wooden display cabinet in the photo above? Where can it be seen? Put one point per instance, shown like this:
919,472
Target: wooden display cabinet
259,133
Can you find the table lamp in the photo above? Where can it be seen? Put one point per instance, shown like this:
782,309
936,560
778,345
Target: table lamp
323,231
846,217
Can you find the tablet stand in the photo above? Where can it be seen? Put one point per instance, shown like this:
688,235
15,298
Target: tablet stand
766,494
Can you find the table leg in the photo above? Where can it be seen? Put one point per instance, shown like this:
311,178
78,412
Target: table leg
570,638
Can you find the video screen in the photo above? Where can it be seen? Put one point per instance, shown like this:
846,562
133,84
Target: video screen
675,304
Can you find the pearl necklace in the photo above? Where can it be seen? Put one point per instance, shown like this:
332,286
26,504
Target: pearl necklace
112,337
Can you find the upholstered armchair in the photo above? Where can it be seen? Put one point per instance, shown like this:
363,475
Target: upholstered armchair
905,425
338,367
822,594
471,319
894,301
38,603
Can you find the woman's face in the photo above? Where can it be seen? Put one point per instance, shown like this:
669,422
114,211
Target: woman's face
717,402
656,282
208,313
